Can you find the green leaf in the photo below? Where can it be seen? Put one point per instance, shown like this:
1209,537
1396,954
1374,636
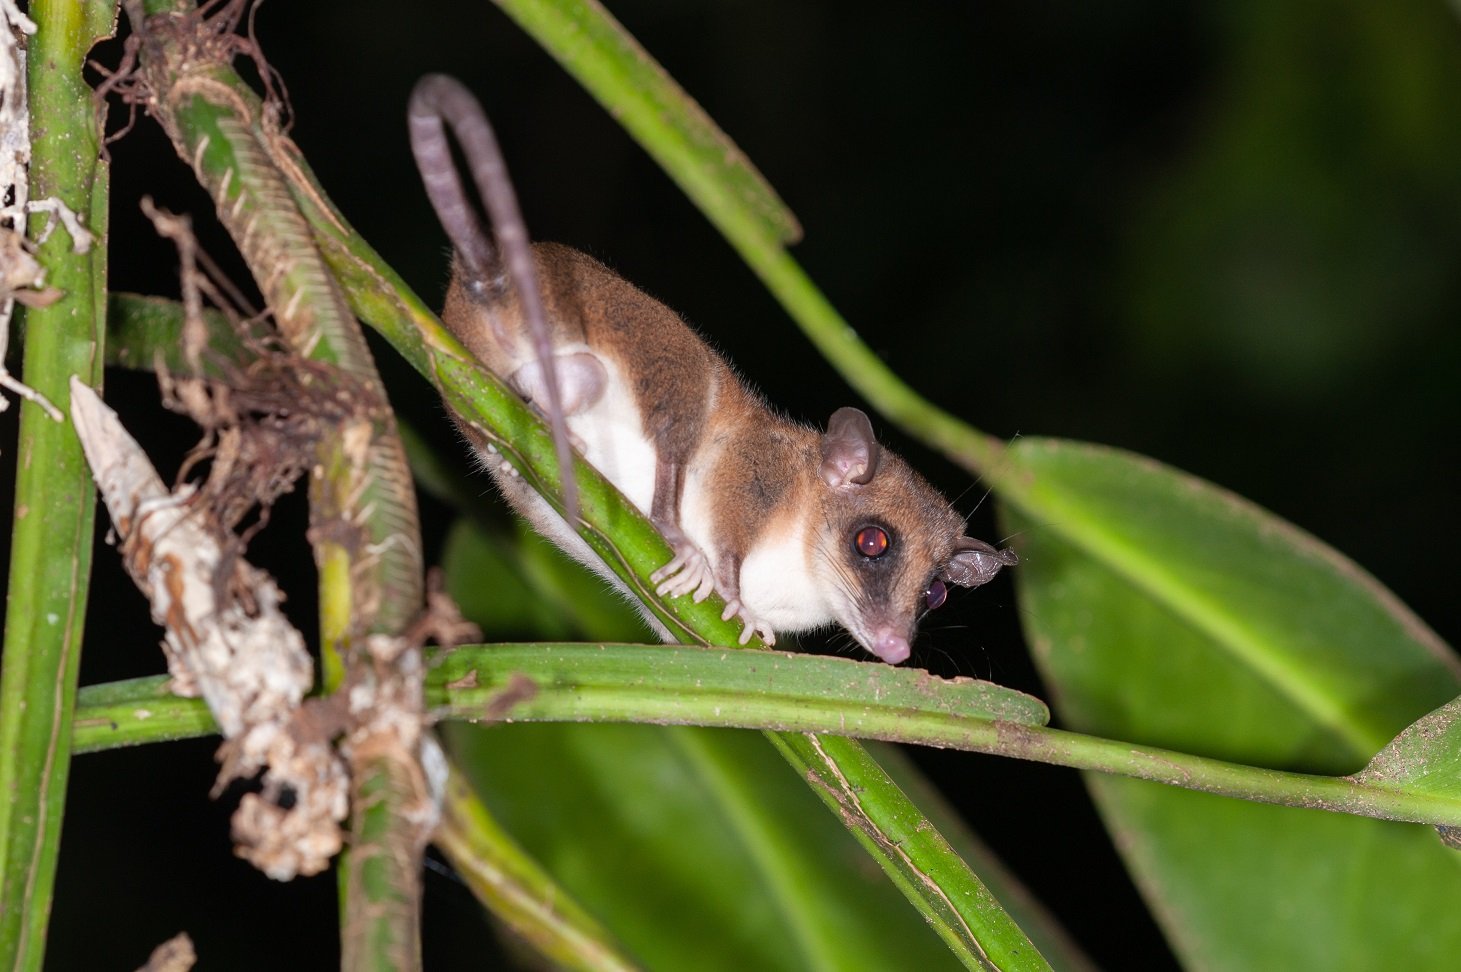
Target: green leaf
675,684
1424,758
519,583
1166,611
665,684
517,889
701,831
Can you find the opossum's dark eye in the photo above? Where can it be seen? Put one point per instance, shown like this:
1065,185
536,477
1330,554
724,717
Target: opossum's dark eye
937,594
871,541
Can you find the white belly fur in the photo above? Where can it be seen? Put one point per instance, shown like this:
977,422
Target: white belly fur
777,583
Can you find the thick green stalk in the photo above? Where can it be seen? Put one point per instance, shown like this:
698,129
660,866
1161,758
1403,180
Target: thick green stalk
218,125
785,693
54,499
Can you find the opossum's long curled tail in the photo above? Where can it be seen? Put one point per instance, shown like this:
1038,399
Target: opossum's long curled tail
486,267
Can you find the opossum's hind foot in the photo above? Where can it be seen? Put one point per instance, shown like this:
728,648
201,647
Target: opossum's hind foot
752,625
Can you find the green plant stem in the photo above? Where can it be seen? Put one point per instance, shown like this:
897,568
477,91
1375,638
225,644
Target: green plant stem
55,501
859,365
381,886
673,685
144,331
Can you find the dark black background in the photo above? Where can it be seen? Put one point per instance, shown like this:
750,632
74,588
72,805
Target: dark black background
1221,235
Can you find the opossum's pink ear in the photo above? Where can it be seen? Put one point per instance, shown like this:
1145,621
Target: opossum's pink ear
975,562
849,450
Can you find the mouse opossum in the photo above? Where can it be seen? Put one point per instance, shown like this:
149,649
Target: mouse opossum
795,527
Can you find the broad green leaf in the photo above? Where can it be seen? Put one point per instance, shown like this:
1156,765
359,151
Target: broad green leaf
1166,611
1425,757
1248,886
517,583
706,832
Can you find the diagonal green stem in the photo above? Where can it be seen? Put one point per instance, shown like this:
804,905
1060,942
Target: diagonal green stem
54,499
642,97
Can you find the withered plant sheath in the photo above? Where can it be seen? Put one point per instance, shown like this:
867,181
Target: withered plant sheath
363,512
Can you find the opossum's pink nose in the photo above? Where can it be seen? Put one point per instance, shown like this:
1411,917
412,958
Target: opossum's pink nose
889,645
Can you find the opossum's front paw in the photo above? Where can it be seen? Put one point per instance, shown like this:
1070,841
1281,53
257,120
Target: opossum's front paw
752,624
688,571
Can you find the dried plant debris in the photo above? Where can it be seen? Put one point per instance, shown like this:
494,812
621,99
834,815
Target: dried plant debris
212,33
174,955
442,621
387,727
226,640
261,424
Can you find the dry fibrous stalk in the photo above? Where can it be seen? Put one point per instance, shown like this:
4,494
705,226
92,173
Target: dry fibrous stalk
177,67
263,419
362,505
225,639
